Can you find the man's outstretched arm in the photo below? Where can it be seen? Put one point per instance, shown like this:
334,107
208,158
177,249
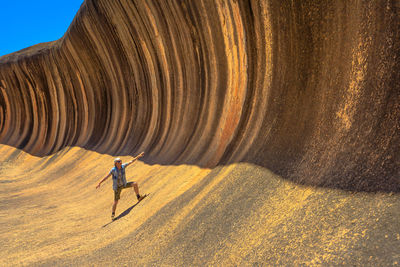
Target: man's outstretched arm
105,178
134,159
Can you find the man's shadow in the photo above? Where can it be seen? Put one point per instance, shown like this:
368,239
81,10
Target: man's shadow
126,212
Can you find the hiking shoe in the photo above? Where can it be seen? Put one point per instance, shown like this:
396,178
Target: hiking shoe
139,198
113,216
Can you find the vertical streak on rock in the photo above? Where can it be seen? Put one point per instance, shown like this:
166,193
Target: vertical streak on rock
234,41
259,69
84,107
33,144
153,99
212,85
5,112
158,28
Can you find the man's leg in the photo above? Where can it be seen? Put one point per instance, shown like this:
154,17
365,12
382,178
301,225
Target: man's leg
136,188
117,194
114,207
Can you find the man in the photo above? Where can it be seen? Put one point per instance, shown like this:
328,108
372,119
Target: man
119,181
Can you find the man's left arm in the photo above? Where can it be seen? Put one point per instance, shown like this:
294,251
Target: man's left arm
134,159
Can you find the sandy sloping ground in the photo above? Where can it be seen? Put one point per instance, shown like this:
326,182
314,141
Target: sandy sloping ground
241,214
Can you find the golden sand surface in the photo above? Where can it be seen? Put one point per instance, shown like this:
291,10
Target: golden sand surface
50,205
239,214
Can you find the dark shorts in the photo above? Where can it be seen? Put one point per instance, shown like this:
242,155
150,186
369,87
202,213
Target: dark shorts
117,193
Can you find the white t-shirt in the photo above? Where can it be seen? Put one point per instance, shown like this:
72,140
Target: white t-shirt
119,180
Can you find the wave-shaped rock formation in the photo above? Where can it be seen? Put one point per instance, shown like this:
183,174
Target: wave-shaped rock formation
254,90
307,89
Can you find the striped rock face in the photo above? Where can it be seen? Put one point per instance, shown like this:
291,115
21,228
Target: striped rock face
309,90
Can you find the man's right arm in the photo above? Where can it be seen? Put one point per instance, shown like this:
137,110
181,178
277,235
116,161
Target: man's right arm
105,178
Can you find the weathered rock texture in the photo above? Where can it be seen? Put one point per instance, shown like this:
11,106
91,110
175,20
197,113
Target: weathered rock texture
308,89
254,90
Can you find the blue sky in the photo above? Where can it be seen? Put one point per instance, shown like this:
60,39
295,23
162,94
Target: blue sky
29,22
